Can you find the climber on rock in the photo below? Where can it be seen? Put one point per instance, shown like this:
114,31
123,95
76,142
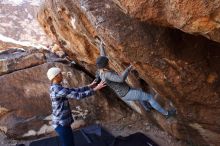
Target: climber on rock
121,88
61,113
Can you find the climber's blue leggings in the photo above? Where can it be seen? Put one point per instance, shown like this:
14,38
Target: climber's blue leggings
65,135
139,95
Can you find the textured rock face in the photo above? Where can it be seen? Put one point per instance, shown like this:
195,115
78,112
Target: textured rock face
15,59
181,67
7,45
18,21
196,17
25,106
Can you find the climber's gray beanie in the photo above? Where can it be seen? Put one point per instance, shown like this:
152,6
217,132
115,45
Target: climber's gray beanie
101,62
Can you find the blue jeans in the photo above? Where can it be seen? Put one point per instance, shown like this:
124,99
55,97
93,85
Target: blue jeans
65,134
139,95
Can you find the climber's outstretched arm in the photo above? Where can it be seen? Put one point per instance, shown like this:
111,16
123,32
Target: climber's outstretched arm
102,49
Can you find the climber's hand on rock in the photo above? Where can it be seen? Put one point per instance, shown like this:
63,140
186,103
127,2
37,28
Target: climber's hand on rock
130,67
101,43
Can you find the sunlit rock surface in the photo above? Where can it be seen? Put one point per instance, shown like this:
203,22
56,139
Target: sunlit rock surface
191,16
183,68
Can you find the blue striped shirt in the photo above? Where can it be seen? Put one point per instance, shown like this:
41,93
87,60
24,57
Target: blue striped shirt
61,112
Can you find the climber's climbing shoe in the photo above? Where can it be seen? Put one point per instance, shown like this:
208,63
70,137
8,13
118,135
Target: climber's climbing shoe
171,113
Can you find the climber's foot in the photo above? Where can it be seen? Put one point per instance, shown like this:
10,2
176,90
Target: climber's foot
171,113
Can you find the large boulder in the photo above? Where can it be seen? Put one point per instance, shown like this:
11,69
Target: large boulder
20,24
181,67
17,59
195,17
26,107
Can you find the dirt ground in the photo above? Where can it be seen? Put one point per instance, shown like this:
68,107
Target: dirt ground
123,127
